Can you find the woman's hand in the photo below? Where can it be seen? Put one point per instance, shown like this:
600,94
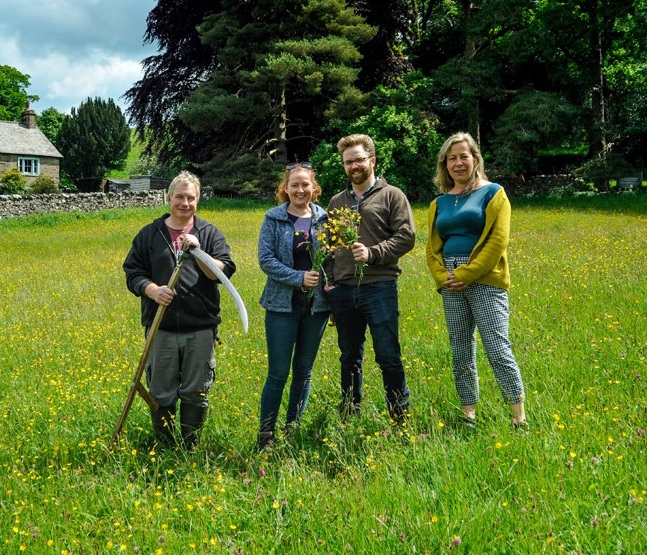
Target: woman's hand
452,285
310,279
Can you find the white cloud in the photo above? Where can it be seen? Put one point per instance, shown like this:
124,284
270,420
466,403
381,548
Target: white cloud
75,49
100,74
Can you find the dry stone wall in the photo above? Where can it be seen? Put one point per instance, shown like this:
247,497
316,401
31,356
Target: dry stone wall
24,205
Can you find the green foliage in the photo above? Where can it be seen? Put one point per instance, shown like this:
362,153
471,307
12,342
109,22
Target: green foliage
596,49
245,175
136,162
94,139
487,39
405,136
13,93
602,169
12,182
49,122
146,161
44,184
532,122
274,79
66,184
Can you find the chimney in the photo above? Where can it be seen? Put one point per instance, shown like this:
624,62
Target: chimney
28,117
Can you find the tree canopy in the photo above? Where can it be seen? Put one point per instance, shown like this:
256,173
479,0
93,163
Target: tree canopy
13,93
49,122
239,88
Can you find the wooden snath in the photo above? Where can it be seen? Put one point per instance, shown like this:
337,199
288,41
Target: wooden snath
136,386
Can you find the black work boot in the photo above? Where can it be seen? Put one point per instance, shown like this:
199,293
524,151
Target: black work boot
192,419
397,396
265,440
164,425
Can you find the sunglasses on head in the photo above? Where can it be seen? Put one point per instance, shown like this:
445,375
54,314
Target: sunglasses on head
294,165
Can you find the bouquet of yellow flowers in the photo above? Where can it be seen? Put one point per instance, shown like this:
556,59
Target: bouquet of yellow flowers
343,231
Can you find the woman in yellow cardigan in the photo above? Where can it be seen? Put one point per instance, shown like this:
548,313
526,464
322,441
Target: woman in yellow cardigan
469,228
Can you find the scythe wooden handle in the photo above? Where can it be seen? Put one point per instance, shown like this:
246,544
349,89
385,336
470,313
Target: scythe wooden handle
136,386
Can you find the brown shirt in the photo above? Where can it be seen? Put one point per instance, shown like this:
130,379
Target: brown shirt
386,228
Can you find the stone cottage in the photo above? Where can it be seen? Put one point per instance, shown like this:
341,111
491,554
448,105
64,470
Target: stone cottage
26,147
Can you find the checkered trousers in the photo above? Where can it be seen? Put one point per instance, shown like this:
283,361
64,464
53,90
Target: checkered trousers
486,308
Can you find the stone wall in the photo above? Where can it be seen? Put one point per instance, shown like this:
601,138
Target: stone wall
24,205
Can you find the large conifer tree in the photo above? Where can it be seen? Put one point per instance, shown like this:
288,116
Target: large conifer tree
93,139
283,69
256,83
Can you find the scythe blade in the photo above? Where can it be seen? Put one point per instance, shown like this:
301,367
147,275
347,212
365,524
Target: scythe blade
211,264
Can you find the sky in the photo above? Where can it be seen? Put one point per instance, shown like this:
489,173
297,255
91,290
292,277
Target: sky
75,49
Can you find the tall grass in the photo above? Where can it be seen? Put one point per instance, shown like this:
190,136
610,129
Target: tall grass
71,340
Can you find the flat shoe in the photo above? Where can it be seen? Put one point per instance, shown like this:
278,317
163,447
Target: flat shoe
469,422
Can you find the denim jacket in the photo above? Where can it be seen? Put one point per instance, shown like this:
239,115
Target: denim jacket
275,258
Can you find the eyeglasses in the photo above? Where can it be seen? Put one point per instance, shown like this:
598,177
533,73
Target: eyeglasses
358,161
293,165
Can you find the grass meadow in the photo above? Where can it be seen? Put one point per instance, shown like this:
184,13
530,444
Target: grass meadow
575,484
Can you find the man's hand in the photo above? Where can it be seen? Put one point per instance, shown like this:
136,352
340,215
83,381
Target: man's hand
189,241
360,252
161,294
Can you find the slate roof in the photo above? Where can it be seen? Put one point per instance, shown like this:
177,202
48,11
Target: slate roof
17,139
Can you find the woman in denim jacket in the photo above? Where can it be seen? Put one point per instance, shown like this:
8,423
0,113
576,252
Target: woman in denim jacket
296,311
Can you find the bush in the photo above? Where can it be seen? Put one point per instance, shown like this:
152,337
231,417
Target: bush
66,184
12,182
44,184
406,140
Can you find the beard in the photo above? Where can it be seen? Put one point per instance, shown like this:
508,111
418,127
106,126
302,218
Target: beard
359,177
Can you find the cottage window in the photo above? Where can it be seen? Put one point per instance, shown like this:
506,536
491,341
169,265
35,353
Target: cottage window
29,166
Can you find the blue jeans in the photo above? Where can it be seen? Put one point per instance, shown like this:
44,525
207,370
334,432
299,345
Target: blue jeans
375,306
293,340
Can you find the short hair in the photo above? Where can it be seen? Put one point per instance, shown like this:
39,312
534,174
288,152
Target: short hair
184,178
282,195
443,181
354,140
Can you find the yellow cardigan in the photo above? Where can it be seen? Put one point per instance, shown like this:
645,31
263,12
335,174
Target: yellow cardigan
488,261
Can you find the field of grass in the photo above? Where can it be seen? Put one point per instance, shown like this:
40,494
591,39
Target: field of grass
575,484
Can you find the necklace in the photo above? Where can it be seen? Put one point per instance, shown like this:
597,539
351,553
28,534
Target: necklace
458,196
